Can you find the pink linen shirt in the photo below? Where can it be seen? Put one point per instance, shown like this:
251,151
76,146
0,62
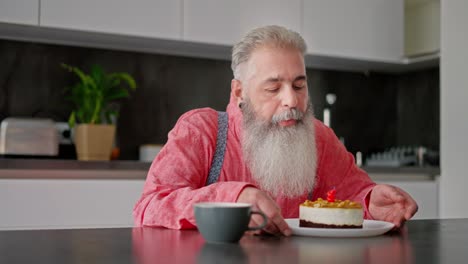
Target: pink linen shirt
176,179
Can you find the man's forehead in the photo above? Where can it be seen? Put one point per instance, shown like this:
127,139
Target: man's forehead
254,71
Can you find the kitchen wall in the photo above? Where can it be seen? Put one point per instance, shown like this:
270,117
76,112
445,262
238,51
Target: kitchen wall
454,126
373,110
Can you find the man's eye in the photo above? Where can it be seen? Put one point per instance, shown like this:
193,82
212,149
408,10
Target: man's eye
299,87
272,90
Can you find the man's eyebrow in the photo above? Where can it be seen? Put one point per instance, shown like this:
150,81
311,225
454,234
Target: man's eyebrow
279,79
273,80
300,78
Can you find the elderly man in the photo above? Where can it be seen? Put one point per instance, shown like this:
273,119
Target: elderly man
269,150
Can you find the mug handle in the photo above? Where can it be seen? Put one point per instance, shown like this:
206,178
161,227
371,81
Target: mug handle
262,225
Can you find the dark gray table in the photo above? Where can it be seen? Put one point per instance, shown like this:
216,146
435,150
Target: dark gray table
421,241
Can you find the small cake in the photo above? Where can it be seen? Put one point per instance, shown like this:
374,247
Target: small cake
331,213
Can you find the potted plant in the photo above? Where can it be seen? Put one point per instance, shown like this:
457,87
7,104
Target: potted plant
95,109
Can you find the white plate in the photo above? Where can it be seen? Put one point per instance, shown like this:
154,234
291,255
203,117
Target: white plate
369,228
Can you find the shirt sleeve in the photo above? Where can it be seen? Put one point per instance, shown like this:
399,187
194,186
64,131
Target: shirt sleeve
337,169
176,179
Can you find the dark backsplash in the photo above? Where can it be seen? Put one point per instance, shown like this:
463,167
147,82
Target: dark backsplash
372,112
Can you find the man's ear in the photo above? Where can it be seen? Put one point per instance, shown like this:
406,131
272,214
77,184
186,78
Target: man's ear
236,90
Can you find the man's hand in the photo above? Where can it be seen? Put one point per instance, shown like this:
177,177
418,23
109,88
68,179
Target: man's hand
391,204
262,201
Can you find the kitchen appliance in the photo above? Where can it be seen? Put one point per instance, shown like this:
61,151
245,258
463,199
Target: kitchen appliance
404,156
393,157
330,99
28,137
149,151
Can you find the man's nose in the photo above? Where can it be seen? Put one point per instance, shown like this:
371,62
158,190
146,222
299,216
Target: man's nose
289,97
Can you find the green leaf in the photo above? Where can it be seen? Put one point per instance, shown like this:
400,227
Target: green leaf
97,73
125,77
72,120
95,93
96,112
85,79
122,93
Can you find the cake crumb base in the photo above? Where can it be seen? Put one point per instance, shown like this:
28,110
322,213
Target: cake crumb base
303,223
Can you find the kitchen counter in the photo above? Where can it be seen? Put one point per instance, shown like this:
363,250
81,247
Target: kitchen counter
56,164
127,169
72,169
427,173
102,193
428,170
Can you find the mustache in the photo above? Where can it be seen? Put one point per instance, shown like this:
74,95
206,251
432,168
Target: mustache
292,113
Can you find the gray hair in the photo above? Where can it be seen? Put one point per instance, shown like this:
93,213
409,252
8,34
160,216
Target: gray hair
275,36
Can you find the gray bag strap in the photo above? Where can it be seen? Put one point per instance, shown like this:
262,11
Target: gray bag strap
221,140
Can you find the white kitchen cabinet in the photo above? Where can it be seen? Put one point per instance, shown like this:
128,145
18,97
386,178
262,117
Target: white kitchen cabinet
212,21
225,21
358,29
422,27
425,193
356,35
20,11
62,203
148,18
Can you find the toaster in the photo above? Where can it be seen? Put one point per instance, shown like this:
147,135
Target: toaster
28,136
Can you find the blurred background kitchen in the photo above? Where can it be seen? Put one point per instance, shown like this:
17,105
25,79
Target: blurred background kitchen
385,75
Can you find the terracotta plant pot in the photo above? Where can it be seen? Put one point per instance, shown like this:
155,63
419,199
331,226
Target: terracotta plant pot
94,142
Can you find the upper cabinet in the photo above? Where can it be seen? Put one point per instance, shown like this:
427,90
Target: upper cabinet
422,27
225,21
356,29
148,18
212,21
356,35
20,11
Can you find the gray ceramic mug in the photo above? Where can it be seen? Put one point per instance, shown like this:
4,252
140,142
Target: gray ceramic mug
225,222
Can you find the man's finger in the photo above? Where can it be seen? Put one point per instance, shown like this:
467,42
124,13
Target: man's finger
398,221
282,226
277,225
269,228
272,211
412,209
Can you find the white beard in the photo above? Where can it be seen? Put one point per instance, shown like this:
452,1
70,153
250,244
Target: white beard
282,160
